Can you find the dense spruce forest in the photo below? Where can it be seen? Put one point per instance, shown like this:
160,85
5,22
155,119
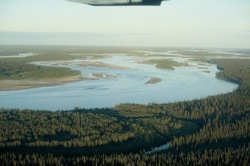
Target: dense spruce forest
211,131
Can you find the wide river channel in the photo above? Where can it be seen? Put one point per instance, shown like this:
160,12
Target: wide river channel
128,85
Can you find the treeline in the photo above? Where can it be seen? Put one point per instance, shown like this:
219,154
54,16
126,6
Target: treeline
232,72
210,131
225,156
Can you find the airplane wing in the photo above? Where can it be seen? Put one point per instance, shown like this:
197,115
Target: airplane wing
120,2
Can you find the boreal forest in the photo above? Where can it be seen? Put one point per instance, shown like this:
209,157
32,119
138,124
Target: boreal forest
210,131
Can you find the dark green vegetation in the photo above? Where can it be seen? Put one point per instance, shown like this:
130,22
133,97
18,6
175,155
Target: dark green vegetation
210,131
239,74
89,131
165,63
21,71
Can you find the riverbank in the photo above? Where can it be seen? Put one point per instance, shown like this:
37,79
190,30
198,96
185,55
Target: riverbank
9,85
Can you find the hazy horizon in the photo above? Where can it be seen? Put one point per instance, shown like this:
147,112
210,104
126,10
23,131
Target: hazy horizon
92,40
176,23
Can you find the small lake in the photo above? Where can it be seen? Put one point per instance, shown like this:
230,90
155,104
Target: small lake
128,85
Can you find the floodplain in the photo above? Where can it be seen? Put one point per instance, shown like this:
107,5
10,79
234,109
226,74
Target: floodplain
212,130
86,77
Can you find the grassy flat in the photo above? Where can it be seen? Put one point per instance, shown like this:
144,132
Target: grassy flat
165,63
23,75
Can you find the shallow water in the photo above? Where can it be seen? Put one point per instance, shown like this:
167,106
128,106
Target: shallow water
157,149
183,83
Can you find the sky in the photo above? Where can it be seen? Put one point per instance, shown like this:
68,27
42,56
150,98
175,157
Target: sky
176,23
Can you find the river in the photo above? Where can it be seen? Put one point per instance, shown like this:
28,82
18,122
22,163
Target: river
128,85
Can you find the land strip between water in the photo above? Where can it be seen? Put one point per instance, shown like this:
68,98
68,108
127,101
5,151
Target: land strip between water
32,70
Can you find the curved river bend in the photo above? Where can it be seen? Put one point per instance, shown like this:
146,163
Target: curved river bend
128,85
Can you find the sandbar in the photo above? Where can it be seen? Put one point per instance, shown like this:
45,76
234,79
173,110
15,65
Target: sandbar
153,80
8,85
